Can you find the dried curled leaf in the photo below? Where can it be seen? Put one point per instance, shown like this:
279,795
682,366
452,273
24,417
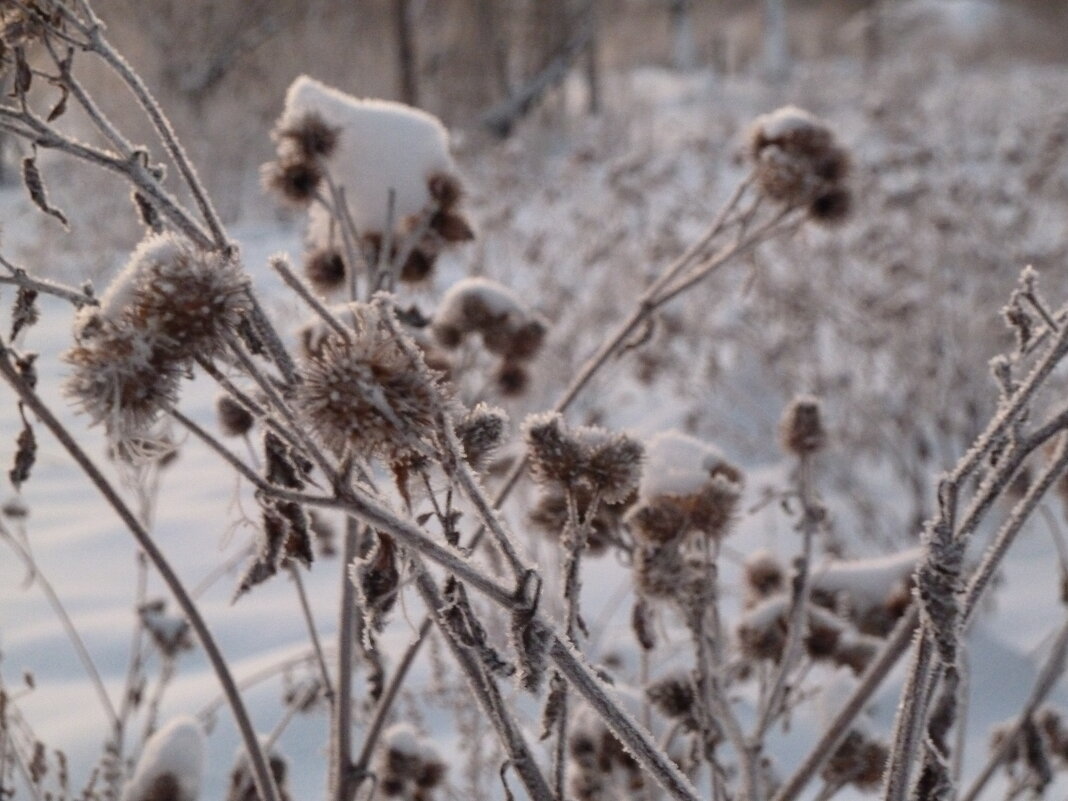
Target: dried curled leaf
25,455
31,176
24,313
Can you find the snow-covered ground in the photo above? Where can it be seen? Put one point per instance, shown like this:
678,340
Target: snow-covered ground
573,219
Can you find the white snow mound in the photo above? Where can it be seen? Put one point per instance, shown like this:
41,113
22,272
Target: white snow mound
382,145
177,751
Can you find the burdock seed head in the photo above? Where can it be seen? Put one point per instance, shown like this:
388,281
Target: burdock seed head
295,180
480,431
556,455
120,380
309,135
801,427
234,419
363,392
797,161
325,270
183,300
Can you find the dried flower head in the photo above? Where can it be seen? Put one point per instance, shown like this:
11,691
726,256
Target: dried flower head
325,270
234,419
243,786
859,760
296,180
362,391
120,380
479,305
798,162
446,190
511,379
309,135
418,266
674,697
833,207
480,431
801,428
408,766
764,576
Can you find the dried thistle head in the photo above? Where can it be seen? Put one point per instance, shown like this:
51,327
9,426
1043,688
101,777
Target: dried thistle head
446,190
309,135
242,785
556,455
295,180
325,270
764,576
512,379
408,766
362,391
480,431
859,760
120,380
418,266
613,465
797,161
673,696
801,428
234,419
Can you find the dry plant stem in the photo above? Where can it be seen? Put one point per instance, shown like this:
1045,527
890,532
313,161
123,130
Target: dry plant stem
454,462
280,266
45,287
265,784
1007,534
802,590
338,208
133,671
389,695
342,779
384,267
913,705
636,740
1047,679
313,632
307,657
370,510
279,355
68,625
122,68
486,692
98,118
872,678
133,168
283,408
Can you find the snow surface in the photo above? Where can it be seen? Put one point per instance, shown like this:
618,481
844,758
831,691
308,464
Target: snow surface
382,146
176,749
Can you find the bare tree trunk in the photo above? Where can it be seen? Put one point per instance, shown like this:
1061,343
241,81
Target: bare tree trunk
683,45
493,34
406,52
776,52
593,57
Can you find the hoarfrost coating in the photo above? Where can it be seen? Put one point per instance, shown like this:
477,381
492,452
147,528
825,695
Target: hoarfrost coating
175,751
382,146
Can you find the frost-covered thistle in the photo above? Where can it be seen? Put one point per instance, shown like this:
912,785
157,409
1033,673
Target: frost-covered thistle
508,327
480,431
801,428
182,300
234,419
593,459
120,380
798,162
362,391
171,303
